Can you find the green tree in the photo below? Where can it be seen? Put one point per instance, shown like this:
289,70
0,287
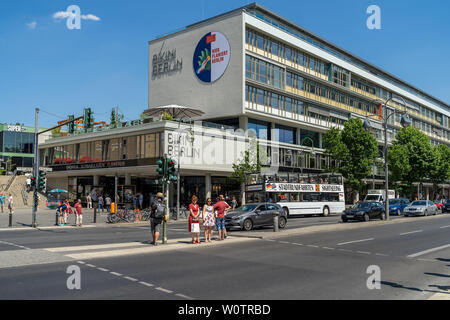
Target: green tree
411,159
440,171
354,150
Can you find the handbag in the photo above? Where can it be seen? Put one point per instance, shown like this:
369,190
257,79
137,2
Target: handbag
195,227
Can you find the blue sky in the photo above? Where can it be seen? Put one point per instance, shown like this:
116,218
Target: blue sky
105,64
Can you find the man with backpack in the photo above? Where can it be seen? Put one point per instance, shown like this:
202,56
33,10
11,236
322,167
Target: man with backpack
157,216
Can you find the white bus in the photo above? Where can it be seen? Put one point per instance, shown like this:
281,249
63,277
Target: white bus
299,194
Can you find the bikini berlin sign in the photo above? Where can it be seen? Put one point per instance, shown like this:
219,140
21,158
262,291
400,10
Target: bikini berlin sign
211,57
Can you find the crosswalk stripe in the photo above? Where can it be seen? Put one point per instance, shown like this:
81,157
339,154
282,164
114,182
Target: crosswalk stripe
96,247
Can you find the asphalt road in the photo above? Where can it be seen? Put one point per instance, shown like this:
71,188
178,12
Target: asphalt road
117,263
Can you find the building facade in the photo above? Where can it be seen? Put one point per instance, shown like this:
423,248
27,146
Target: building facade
252,72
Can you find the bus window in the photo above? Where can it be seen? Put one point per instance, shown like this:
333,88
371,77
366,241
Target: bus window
311,197
295,197
293,178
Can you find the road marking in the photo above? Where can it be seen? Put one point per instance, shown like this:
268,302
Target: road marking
421,253
411,232
327,248
116,274
297,244
103,269
363,252
164,290
428,260
95,247
444,227
312,246
345,250
355,241
91,265
81,262
146,283
285,242
183,296
14,245
381,255
131,279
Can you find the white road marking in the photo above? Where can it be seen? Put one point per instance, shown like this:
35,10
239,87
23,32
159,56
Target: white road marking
355,241
327,248
285,242
164,290
146,283
183,296
131,279
103,269
312,246
444,227
297,244
411,232
116,274
421,253
81,262
95,247
363,252
91,265
381,255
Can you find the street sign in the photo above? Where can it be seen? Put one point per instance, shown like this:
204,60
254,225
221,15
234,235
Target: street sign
46,169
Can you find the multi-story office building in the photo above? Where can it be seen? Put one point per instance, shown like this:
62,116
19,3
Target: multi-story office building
16,146
251,69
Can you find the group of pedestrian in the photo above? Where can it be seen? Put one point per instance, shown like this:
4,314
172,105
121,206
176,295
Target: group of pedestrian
138,201
65,209
100,202
10,202
210,215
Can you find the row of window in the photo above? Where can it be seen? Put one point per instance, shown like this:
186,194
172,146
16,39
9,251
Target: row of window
363,85
273,101
16,142
281,50
298,82
264,72
135,147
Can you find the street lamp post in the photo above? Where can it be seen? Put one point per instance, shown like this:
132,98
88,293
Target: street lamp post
405,121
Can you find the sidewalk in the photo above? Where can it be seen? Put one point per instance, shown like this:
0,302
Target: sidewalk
47,217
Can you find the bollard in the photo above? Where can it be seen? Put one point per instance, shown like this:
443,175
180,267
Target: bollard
275,222
56,218
10,219
95,215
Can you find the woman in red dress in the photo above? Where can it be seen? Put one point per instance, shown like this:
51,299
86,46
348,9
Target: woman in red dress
194,219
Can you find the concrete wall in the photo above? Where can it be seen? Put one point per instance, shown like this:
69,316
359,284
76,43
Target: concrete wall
221,98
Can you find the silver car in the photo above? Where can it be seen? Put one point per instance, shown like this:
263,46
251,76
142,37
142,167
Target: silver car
420,208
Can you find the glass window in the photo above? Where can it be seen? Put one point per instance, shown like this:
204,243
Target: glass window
286,134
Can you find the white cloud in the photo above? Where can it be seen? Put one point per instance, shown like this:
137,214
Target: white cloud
32,25
90,17
65,14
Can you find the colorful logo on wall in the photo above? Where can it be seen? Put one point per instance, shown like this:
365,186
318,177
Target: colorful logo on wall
211,57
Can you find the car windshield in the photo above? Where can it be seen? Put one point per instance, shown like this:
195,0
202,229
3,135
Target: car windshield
361,205
372,197
419,203
394,201
246,208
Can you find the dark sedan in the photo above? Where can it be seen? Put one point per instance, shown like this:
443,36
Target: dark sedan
254,215
364,211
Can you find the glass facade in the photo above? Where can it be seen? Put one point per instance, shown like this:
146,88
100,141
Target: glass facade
16,147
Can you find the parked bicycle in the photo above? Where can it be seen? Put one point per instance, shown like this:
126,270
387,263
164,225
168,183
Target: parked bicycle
122,215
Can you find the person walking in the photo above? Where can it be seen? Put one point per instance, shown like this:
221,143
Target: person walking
194,220
2,201
157,216
79,214
108,203
100,203
67,211
28,184
89,201
141,200
208,219
234,203
11,203
221,207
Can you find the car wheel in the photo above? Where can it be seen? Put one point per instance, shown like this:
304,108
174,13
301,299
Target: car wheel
286,212
248,225
326,212
426,213
344,220
366,217
282,222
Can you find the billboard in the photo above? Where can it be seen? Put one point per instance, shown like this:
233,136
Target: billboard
211,57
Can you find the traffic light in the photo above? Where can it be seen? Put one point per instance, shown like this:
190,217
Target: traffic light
161,167
88,119
42,181
171,169
33,181
71,124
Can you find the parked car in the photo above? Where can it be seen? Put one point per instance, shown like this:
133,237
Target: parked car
420,208
364,211
446,207
396,206
255,215
439,203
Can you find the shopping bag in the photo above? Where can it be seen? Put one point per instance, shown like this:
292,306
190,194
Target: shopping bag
195,227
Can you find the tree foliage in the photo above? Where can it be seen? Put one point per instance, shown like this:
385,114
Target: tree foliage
355,151
251,162
411,159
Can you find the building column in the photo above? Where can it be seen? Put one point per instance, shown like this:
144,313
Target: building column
208,186
243,122
96,181
127,179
